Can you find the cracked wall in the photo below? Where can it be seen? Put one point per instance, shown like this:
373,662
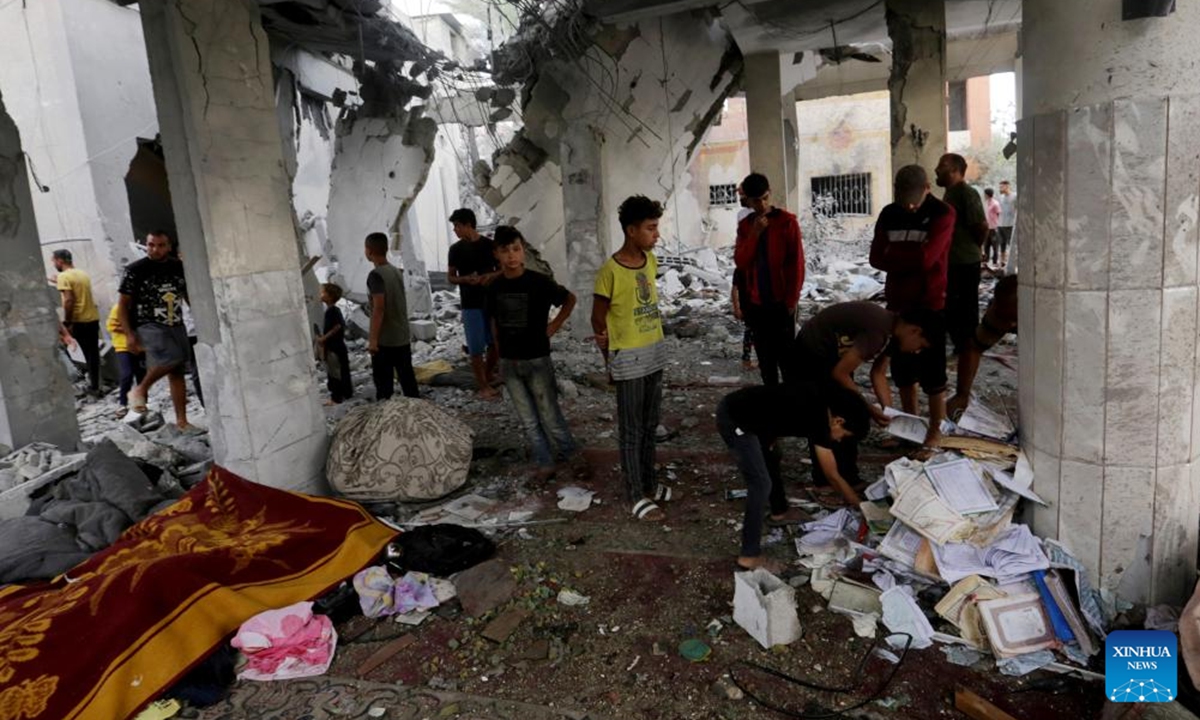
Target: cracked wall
646,93
37,401
78,85
917,82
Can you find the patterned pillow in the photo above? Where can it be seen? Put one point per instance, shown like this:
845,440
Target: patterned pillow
402,449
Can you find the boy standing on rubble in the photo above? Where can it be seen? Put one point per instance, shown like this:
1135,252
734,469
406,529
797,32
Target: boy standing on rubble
628,330
332,344
389,345
750,420
518,306
472,267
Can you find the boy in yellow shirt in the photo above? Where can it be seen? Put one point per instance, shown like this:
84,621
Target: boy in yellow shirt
628,330
132,365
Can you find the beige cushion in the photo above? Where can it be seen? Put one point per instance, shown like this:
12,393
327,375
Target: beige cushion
402,449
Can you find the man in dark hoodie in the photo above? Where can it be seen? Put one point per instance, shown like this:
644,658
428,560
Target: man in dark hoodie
911,244
769,257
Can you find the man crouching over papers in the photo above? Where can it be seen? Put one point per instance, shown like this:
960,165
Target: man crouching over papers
752,419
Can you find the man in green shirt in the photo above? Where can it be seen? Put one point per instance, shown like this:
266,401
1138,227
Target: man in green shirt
970,231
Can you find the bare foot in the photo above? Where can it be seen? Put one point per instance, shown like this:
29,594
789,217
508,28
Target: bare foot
542,474
489,394
791,517
752,563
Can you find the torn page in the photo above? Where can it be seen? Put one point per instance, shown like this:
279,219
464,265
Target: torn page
901,544
980,420
961,486
1010,483
919,507
906,427
574,499
1013,554
901,614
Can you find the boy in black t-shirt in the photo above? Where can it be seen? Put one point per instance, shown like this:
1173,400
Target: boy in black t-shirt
332,343
518,306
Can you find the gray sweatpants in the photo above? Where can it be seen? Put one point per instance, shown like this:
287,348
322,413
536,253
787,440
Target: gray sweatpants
639,404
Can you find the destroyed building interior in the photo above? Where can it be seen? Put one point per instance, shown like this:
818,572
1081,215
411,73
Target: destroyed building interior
599,359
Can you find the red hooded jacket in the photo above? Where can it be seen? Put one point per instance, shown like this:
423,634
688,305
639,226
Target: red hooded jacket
785,256
912,247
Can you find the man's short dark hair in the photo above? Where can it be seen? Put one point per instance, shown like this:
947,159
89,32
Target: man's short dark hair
755,185
989,192
850,407
377,243
958,161
1005,182
506,235
63,255
463,216
637,209
911,183
333,290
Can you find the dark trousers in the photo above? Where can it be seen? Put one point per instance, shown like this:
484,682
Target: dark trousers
759,461
639,404
774,330
747,344
87,334
386,364
133,370
337,368
962,303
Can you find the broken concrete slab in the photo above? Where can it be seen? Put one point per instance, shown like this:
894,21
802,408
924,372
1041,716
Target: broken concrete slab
484,587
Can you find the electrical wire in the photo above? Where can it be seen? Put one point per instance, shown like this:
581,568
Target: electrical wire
837,689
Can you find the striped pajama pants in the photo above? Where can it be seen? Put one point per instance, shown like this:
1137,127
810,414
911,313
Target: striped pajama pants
639,404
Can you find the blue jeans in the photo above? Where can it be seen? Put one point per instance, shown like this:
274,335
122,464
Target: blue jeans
534,394
759,460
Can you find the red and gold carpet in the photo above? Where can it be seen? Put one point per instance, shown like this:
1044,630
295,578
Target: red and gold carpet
119,629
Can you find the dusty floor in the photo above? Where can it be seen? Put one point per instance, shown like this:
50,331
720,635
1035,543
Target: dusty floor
651,586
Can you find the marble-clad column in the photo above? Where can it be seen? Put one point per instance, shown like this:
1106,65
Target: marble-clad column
1108,198
917,82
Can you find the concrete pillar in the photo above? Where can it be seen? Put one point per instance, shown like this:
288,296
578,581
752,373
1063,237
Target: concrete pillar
37,401
918,82
771,127
1109,194
583,226
216,106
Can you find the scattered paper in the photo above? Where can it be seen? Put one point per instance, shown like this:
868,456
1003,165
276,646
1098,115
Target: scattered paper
980,420
865,625
574,499
901,614
1017,625
1013,554
901,544
1010,483
1025,664
961,486
919,506
877,516
414,618
962,655
910,427
571,598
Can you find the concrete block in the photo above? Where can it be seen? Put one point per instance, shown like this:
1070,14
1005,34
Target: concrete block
1089,194
423,330
1139,174
1131,398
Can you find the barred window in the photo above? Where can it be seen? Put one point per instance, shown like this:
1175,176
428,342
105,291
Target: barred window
847,194
723,194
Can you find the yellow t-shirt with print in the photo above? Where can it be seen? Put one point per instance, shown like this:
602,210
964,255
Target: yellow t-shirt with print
633,318
78,282
120,343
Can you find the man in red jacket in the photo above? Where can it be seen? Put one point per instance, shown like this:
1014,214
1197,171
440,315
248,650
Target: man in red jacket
769,255
911,244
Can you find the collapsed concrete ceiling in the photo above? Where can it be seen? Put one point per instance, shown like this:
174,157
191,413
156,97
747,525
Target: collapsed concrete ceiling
809,25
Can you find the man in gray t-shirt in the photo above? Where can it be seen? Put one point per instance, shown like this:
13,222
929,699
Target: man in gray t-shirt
390,348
